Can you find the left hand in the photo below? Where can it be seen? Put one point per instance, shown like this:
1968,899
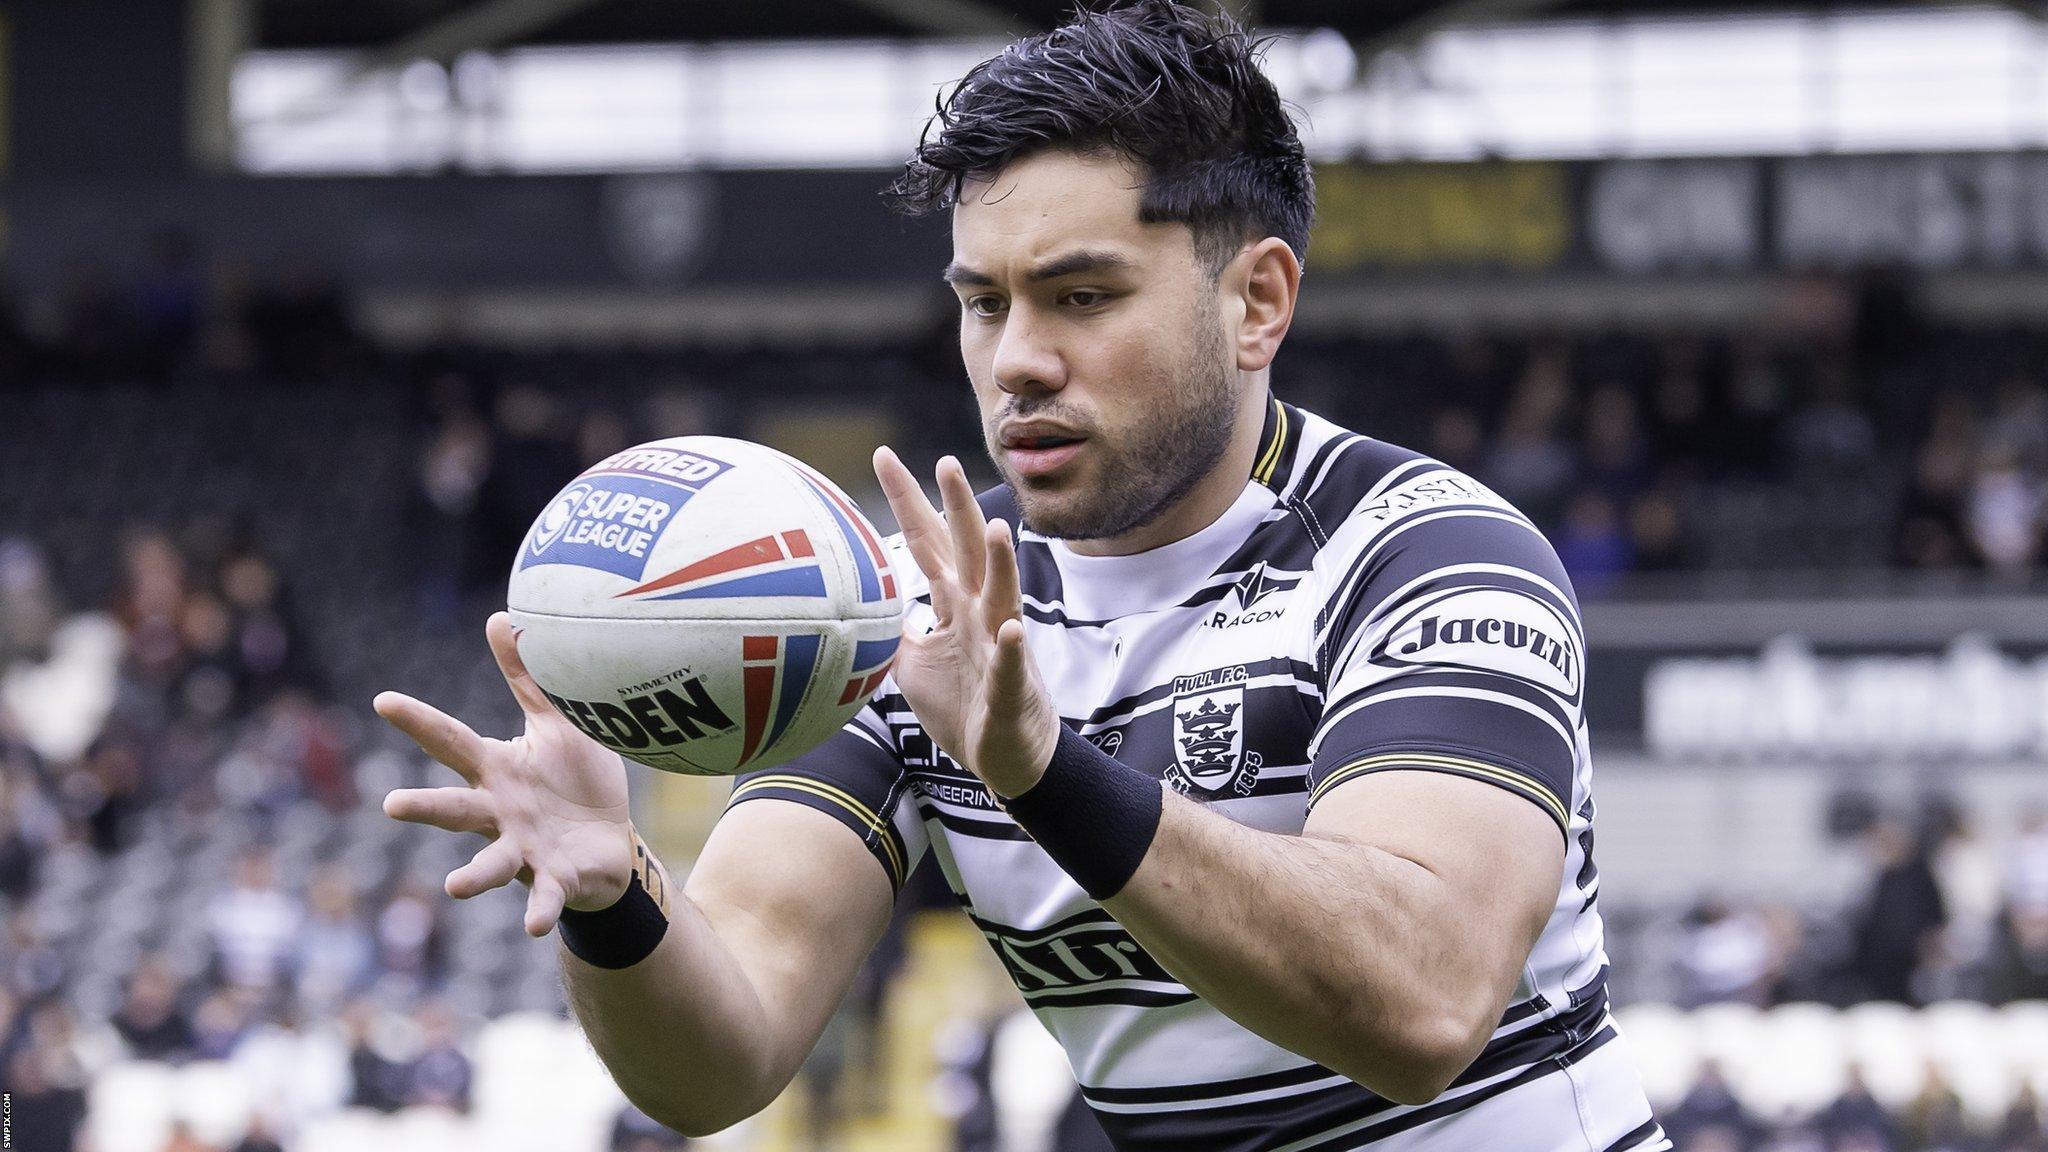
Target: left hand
971,680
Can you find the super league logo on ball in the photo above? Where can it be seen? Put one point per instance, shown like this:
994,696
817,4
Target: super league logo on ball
556,518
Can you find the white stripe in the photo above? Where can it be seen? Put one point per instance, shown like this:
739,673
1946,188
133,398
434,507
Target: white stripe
1222,1101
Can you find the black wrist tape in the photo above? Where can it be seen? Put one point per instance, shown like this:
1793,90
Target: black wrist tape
1092,813
619,936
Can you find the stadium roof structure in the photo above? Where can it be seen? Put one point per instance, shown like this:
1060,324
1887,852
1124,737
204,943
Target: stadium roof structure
416,28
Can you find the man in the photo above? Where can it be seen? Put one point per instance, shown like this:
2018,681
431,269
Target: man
1257,753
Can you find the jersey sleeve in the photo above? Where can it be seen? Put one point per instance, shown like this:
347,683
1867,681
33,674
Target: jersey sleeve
1449,641
856,777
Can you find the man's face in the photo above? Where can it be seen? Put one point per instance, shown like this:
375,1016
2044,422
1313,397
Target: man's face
1095,344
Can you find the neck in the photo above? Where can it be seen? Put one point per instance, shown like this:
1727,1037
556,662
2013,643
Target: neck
1211,496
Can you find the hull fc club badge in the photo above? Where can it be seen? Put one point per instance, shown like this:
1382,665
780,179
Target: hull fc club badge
1209,756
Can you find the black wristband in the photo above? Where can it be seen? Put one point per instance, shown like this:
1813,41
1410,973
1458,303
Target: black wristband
1092,813
618,936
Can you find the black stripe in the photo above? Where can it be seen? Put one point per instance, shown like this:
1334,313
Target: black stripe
1086,918
1649,1131
1557,1035
1256,1125
1439,1111
1096,997
1537,696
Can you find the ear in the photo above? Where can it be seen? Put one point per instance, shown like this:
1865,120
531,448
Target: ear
1265,277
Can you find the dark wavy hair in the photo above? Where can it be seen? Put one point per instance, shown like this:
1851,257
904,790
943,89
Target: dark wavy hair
1168,86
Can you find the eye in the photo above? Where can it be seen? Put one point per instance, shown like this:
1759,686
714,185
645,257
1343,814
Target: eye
1086,298
984,306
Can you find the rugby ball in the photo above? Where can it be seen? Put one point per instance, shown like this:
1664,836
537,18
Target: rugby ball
705,605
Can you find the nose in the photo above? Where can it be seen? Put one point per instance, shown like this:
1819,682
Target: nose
1027,357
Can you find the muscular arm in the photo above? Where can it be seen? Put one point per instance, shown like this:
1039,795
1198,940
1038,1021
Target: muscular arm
1384,942
762,944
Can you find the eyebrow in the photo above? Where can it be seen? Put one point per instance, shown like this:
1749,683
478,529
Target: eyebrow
1086,260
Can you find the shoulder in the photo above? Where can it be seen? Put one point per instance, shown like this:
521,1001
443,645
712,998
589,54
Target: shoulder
1376,502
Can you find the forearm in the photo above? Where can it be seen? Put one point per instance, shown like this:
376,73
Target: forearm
683,1031
1344,953
759,950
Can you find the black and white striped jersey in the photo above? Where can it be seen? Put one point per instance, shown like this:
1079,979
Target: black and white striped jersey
1359,608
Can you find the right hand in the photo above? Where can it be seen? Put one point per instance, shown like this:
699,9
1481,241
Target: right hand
553,801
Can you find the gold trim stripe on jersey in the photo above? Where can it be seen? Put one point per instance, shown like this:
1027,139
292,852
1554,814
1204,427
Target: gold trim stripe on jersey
822,790
1518,781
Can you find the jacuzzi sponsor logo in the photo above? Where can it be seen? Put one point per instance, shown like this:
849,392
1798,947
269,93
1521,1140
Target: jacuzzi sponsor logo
1487,630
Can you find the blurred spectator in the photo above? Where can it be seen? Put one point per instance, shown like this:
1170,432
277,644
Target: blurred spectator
1931,532
530,461
291,749
270,653
150,1019
58,670
218,1025
1710,1107
1855,1117
2018,424
1616,461
259,1138
378,1058
183,1139
336,955
2020,970
254,923
1727,954
29,826
2005,512
1935,1119
409,937
440,1074
1593,545
1968,874
1656,532
451,474
47,1098
2021,1129
1902,919
32,965
1831,432
1530,464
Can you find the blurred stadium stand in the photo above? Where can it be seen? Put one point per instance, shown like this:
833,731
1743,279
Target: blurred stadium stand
266,442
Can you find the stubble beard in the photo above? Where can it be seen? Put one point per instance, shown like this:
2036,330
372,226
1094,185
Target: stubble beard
1138,478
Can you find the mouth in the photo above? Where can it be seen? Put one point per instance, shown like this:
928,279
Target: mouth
1036,456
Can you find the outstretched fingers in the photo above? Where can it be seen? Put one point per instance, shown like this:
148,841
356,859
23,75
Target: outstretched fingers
964,522
493,867
1010,670
455,809
1001,598
543,905
437,733
924,530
